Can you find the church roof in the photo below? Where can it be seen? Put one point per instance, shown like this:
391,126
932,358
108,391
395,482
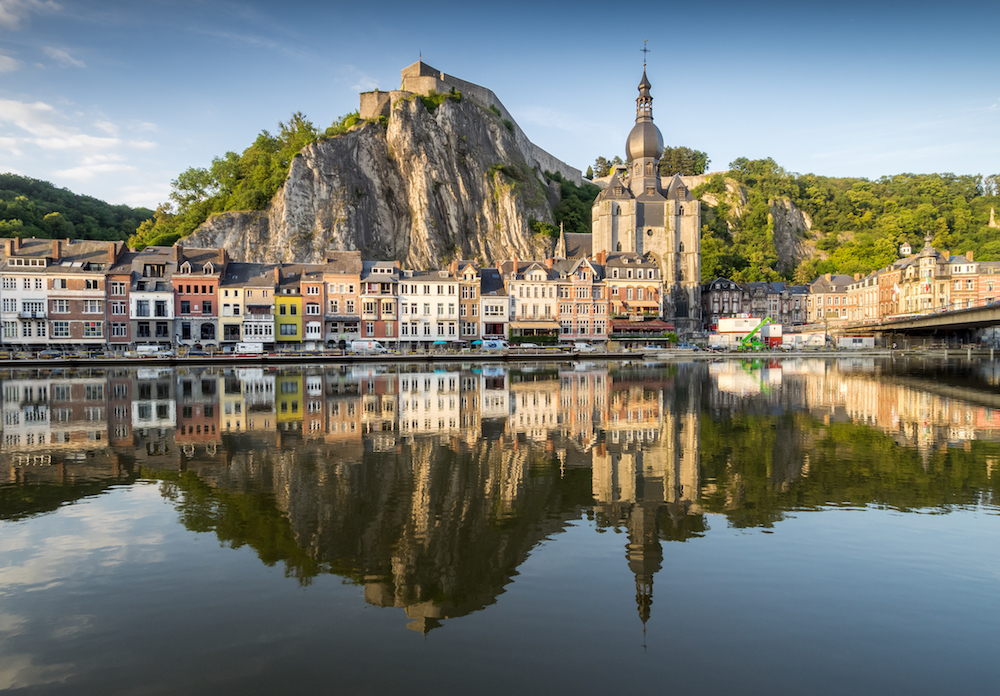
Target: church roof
579,245
672,189
615,190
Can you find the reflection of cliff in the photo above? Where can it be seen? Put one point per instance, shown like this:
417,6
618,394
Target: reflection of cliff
432,529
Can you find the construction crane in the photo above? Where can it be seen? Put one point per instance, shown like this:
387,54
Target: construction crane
751,341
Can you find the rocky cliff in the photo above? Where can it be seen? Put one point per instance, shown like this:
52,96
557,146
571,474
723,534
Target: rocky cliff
790,224
422,187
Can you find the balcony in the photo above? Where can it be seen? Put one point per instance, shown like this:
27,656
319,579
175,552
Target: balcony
40,314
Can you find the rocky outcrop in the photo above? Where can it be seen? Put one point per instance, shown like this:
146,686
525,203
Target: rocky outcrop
791,225
422,188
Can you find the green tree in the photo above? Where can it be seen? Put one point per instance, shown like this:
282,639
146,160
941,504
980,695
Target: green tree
684,161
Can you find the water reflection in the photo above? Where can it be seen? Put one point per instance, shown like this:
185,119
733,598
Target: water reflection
430,485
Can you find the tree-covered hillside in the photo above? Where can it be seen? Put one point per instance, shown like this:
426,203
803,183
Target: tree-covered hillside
244,181
857,225
33,208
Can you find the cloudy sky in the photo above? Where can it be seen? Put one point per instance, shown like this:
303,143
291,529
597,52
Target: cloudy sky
113,98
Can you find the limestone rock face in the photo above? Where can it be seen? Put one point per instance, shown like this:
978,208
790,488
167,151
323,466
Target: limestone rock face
423,189
791,224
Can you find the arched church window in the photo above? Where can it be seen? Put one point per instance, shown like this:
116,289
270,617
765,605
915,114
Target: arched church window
619,247
680,211
682,247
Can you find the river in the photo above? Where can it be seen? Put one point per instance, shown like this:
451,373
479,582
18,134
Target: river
742,526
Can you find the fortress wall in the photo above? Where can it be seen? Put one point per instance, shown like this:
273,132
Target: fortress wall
374,104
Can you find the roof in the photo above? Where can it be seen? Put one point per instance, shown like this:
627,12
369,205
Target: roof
578,244
831,283
491,282
347,262
650,325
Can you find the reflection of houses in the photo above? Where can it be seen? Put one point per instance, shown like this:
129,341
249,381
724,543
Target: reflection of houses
428,403
198,416
57,413
583,402
535,407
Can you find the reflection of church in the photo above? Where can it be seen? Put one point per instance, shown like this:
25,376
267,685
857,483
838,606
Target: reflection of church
646,477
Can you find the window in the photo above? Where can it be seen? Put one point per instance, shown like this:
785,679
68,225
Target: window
9,304
60,329
369,328
293,309
312,308
9,283
206,307
186,331
119,330
161,330
142,308
118,308
161,308
288,330
93,307
185,307
312,290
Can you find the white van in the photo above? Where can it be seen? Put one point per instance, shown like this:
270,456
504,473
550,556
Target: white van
252,348
582,347
495,345
367,347
152,350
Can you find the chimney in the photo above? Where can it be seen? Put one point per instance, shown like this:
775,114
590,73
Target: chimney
548,263
968,255
277,275
223,256
113,252
56,246
178,253
857,276
453,267
516,264
8,247
17,243
946,255
829,277
602,257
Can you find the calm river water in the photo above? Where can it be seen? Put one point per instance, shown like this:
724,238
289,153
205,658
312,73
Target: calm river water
752,527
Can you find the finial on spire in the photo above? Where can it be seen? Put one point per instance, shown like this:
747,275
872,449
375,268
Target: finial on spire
644,52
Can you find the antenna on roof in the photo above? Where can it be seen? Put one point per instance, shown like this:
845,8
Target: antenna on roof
644,52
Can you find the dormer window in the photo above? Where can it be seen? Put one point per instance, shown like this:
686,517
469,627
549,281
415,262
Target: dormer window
209,267
186,267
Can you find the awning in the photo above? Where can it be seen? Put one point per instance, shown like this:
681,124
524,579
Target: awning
651,325
552,325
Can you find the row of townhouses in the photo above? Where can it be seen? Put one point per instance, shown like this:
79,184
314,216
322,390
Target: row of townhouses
70,293
928,281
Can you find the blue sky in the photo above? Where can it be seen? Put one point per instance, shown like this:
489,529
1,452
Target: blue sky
114,99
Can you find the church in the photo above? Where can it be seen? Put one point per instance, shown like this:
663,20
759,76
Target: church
638,213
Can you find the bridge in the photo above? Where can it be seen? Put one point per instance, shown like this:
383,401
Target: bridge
960,324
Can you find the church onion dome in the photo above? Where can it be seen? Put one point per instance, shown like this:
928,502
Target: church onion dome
645,140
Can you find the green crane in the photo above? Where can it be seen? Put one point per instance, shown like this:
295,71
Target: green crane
751,341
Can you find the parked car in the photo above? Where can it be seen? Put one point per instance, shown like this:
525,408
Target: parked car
49,354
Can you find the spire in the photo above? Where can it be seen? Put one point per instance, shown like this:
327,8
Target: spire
644,102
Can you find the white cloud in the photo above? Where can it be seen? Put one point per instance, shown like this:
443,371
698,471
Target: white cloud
147,197
86,172
13,12
365,84
62,57
8,63
108,127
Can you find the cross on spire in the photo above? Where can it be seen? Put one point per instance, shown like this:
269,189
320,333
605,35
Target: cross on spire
644,52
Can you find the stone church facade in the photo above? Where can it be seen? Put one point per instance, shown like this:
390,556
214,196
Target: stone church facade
639,213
